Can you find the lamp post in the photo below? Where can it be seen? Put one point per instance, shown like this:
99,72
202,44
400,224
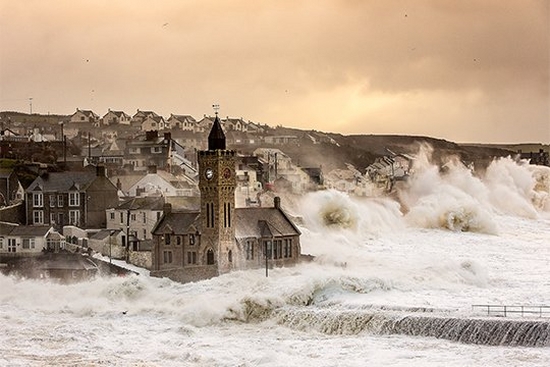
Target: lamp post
110,250
266,266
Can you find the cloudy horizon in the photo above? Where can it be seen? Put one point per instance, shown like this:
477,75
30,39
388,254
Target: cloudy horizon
465,71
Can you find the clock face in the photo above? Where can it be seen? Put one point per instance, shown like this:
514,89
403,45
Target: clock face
226,173
209,173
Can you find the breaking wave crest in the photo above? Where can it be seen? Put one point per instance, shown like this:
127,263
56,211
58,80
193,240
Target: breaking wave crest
455,198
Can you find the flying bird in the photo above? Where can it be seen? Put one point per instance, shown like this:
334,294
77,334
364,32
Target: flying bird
165,24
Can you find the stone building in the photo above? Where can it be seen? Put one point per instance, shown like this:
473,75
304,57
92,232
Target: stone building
194,245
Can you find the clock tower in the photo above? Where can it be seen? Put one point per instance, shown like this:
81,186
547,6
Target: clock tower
217,187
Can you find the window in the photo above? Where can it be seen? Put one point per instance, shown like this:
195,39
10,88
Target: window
11,245
156,149
52,201
74,198
144,217
121,218
144,233
191,257
74,217
249,250
1,243
37,200
133,217
230,256
227,215
288,247
178,240
167,239
134,150
60,201
28,243
52,218
38,217
112,215
210,215
167,257
209,257
191,240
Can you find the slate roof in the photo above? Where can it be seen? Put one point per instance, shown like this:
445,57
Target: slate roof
148,202
30,231
177,222
249,223
6,228
63,181
263,222
183,118
104,233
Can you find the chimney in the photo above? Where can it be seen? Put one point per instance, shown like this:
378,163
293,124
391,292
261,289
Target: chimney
100,170
277,202
167,208
152,168
151,135
118,184
168,136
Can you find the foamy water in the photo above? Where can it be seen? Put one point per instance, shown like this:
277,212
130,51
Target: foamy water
464,240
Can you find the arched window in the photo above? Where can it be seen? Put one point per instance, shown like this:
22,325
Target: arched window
209,257
230,256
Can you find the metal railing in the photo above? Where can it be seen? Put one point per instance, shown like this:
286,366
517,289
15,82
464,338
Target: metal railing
513,310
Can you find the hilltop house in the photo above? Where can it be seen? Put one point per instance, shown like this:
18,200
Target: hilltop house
152,123
116,117
192,245
182,122
85,116
140,116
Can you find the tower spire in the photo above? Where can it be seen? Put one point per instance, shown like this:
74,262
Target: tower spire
216,138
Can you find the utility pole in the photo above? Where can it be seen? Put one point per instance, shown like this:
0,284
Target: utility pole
30,105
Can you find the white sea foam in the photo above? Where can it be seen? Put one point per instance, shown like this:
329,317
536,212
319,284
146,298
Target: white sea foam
454,247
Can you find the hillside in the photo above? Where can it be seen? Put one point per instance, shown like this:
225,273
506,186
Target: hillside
331,150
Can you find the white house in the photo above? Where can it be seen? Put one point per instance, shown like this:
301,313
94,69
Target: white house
85,116
19,241
116,117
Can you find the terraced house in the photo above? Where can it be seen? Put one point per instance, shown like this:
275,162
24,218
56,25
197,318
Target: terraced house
70,198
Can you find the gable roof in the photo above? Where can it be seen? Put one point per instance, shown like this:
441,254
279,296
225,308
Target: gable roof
177,222
263,222
118,113
30,231
182,118
63,181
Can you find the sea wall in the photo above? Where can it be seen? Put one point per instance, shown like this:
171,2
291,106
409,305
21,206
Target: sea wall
485,331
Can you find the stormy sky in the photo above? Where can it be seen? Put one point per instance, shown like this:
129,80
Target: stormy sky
466,71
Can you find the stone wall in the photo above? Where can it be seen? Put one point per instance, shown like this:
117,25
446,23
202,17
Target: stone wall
143,259
189,274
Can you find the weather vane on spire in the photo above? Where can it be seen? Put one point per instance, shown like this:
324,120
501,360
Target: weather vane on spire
216,108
